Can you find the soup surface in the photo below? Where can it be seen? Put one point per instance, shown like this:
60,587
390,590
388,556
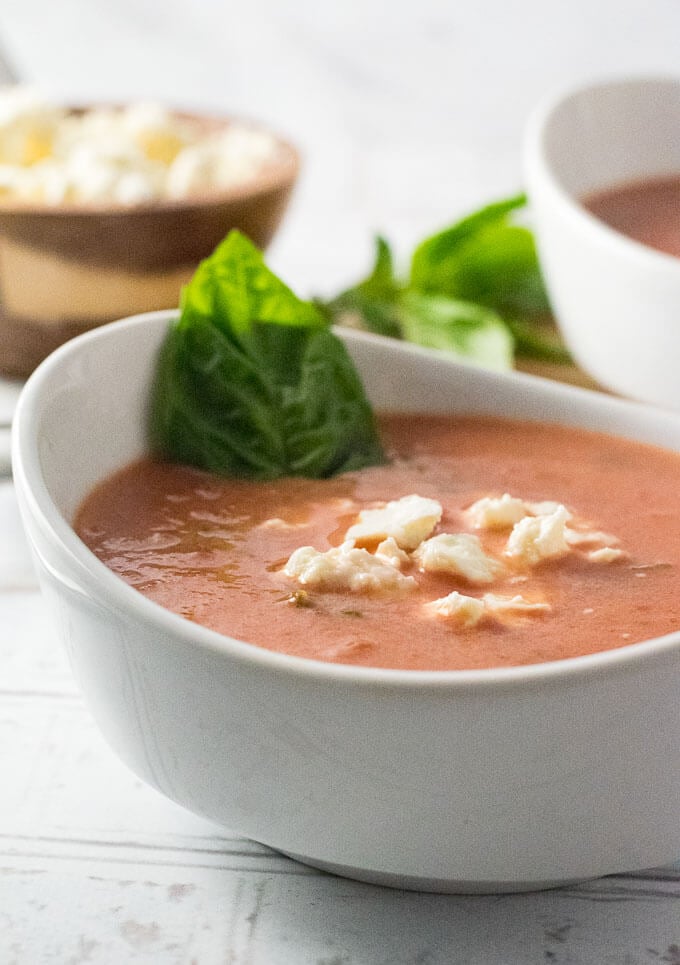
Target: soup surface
215,550
648,211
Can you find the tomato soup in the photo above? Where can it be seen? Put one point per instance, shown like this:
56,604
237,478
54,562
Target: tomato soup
647,210
216,550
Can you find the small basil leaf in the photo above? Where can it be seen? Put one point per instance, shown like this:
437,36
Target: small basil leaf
431,261
538,341
471,331
484,258
371,304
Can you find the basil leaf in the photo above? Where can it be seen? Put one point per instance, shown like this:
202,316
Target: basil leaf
539,341
381,282
471,331
434,253
371,305
485,263
252,383
484,258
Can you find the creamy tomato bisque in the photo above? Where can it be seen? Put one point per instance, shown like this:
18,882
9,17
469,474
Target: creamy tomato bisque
563,542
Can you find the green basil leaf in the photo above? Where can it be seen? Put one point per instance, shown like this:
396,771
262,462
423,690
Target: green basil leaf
252,383
381,282
371,305
484,258
538,341
471,331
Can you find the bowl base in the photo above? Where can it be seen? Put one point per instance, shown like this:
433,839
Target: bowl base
447,886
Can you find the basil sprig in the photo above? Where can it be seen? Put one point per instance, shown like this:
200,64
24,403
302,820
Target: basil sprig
252,383
474,289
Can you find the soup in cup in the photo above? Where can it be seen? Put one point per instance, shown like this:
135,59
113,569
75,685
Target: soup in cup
598,161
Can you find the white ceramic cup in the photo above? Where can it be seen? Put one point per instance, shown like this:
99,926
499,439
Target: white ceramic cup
617,301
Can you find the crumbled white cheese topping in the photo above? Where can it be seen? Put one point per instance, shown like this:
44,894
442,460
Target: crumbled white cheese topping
546,508
402,529
275,522
606,554
583,537
460,554
537,538
27,126
390,551
468,611
502,512
122,155
345,567
496,512
513,604
408,521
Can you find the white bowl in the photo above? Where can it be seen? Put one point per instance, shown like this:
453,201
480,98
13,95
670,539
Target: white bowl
617,301
492,780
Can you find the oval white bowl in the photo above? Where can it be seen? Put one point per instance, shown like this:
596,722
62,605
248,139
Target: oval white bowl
493,780
617,301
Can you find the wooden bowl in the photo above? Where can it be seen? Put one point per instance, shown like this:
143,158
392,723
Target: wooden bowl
66,269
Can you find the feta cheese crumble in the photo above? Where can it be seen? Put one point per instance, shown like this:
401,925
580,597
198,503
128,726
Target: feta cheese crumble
408,521
606,554
346,567
500,512
513,605
468,611
389,551
537,538
460,554
581,537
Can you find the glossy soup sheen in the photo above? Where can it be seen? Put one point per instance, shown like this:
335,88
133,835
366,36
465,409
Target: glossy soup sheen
196,544
647,211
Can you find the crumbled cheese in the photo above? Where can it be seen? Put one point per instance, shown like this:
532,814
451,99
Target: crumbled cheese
513,605
537,538
345,567
408,521
546,508
122,155
577,537
275,522
458,553
466,611
496,512
27,126
389,551
159,134
223,160
502,512
607,554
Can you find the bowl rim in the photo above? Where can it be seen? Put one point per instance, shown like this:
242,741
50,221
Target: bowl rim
103,584
538,167
278,174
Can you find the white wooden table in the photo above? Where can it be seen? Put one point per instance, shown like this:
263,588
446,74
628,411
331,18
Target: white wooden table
407,115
